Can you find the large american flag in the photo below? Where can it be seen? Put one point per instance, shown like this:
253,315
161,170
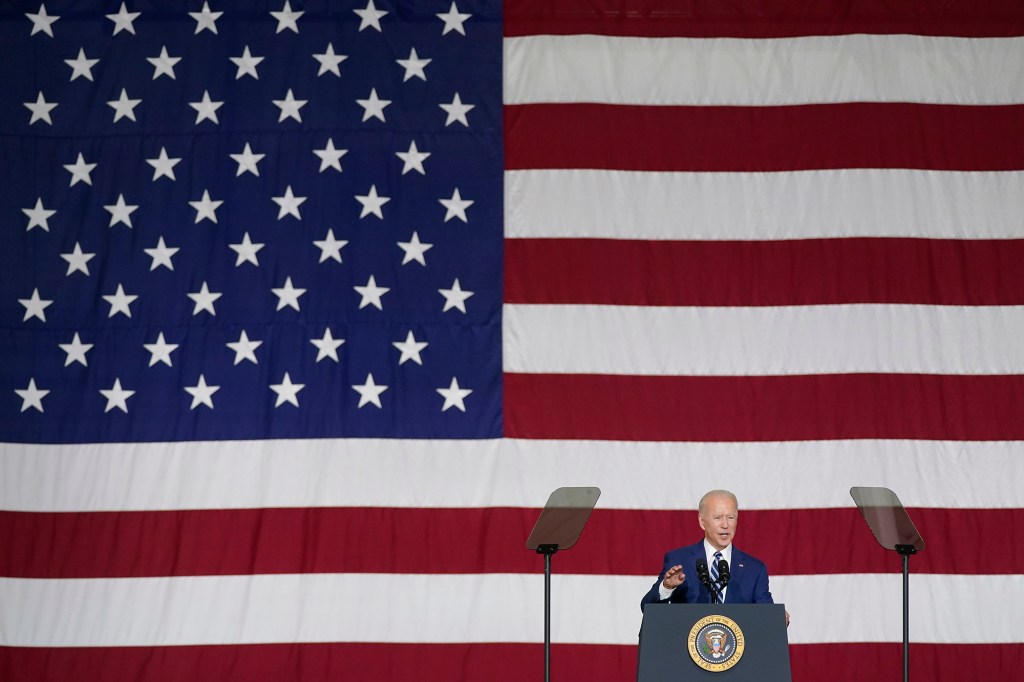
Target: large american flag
305,307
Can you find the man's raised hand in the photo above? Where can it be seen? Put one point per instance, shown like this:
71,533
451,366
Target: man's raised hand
673,578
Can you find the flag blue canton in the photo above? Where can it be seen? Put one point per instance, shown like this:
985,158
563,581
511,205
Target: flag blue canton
169,198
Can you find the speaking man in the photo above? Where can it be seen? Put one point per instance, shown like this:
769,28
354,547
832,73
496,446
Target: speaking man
690,571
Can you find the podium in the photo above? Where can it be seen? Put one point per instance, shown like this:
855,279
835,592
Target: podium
749,639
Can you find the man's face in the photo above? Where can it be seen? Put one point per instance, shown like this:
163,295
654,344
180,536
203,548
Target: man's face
718,521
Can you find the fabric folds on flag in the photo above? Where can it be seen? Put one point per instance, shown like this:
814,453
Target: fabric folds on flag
306,307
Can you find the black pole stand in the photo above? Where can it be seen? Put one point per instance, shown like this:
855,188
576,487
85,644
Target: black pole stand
558,527
905,551
548,551
892,527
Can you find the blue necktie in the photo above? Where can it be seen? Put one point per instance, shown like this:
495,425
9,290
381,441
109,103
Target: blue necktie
714,572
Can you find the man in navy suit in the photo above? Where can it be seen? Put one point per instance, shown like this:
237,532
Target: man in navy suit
678,583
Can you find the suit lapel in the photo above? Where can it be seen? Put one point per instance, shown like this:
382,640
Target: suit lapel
736,571
696,553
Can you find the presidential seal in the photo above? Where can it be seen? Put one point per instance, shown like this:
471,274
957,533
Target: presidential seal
715,643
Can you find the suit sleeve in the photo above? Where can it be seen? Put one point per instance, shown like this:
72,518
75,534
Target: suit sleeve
762,595
653,595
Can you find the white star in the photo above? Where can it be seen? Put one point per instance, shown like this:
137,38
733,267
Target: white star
206,109
206,208
40,109
123,20
330,157
287,18
160,351
454,395
121,212
329,61
330,248
456,206
457,111
42,22
204,299
123,106
369,392
115,395
327,347
161,255
163,165
202,393
246,64
414,66
35,306
286,391
246,250
453,20
247,161
245,349
410,349
39,215
205,20
414,250
373,107
77,260
119,302
31,396
76,351
372,203
455,297
288,295
371,294
290,106
80,171
164,64
370,16
81,65
413,159
289,204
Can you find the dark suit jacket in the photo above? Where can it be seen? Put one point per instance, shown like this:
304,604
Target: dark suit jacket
748,583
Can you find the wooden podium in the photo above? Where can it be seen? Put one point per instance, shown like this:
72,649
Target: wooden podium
724,642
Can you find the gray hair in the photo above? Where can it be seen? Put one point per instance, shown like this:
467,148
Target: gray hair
716,493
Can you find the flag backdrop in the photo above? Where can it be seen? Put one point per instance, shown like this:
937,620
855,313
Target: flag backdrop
307,306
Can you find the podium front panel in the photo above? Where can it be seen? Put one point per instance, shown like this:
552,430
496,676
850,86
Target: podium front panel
667,631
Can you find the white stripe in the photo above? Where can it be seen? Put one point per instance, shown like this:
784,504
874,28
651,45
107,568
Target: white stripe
737,341
502,473
785,205
728,71
473,608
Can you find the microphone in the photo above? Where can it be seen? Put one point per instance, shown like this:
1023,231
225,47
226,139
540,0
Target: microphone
702,572
705,578
723,573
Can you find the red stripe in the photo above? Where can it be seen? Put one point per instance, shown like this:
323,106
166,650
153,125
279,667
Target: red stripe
771,138
764,408
763,19
764,273
388,540
474,662
931,662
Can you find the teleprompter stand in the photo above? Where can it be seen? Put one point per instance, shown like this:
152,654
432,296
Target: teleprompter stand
892,527
558,527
